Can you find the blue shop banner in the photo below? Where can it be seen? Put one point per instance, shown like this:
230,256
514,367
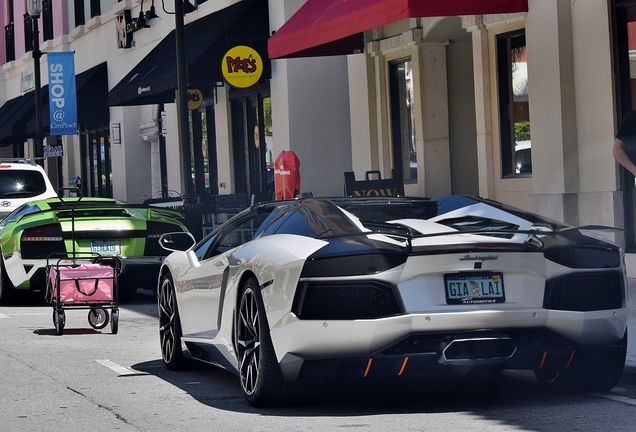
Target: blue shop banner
62,93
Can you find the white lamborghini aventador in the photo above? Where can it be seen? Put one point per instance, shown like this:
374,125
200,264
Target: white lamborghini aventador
394,287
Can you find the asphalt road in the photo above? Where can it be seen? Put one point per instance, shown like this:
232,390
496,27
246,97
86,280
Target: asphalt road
90,379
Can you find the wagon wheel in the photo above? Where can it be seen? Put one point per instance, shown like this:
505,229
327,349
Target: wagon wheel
114,321
98,318
59,320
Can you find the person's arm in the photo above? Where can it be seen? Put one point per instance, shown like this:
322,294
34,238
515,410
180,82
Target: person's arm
621,156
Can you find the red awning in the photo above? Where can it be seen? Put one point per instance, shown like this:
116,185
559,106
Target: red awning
334,27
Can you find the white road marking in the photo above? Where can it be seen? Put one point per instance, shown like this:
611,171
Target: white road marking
119,370
623,399
3,316
27,314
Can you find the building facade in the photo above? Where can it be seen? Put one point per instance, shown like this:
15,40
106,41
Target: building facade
519,103
514,100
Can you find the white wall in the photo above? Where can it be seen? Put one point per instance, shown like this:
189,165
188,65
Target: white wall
364,143
309,100
593,78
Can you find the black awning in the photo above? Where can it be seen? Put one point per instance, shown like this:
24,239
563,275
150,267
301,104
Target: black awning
154,79
13,115
17,116
6,113
92,98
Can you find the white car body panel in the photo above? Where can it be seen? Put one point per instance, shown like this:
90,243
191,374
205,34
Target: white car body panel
208,290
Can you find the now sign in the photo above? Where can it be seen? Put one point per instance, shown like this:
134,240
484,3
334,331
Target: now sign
62,93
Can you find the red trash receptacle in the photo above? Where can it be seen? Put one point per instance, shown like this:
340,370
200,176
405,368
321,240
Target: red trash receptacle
287,175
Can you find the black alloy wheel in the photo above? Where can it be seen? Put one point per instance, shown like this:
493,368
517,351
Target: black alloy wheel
169,325
261,378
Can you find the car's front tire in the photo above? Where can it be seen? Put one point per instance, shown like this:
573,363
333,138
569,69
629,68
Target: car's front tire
600,372
7,291
169,325
261,378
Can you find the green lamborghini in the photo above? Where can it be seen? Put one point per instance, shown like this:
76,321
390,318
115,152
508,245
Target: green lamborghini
39,230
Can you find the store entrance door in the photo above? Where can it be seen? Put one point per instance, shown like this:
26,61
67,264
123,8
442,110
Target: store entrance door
252,143
97,173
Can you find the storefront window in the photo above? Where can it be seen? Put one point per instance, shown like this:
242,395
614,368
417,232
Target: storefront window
512,68
269,142
203,152
97,174
402,120
252,144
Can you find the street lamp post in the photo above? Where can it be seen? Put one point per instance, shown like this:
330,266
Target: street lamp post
35,9
182,102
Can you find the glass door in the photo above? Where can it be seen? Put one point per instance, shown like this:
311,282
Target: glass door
97,174
253,144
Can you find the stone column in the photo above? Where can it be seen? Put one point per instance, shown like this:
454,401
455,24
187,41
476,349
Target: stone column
431,118
481,71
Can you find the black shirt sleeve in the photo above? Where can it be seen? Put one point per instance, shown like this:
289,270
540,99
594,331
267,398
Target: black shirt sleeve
627,131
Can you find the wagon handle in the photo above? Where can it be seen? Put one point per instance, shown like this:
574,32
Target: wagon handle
60,195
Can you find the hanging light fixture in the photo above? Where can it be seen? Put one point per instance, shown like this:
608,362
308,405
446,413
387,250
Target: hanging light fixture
141,20
151,16
186,6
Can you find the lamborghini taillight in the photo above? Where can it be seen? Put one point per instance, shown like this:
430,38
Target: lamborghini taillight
42,233
41,241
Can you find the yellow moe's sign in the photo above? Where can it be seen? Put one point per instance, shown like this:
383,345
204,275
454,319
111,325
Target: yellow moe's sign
242,66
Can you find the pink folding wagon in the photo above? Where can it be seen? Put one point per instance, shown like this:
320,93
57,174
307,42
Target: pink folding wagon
76,280
84,283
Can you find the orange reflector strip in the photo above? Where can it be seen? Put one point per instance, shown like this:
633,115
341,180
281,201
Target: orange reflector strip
366,372
570,361
406,360
545,354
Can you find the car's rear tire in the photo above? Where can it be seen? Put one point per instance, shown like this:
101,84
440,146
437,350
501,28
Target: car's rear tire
261,378
169,325
600,372
7,291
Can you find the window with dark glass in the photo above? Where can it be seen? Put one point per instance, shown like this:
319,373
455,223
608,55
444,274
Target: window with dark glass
80,14
9,34
47,20
95,8
514,118
28,35
402,121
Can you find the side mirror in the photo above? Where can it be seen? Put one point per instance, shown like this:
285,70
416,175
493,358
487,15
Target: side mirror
177,241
